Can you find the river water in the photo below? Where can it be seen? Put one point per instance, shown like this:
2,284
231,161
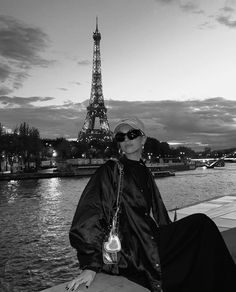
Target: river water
35,217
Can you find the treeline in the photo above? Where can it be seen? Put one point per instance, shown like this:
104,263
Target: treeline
153,149
22,144
97,149
25,145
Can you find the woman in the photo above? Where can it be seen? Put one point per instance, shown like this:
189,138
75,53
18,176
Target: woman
188,255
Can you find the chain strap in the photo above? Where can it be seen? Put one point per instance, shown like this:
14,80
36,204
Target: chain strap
119,191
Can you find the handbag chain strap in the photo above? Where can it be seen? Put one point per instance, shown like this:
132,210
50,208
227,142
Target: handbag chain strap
119,191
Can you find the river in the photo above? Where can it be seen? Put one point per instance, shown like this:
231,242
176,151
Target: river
35,217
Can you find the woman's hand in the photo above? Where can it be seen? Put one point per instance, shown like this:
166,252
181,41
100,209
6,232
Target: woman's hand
85,277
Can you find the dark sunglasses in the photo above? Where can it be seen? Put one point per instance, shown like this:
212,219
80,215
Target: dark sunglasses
131,134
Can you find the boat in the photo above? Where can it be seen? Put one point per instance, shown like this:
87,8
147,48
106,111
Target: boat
162,173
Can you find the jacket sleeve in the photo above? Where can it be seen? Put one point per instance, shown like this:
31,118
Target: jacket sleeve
159,211
87,231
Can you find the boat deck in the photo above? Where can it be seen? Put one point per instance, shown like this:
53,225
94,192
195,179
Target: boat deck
222,211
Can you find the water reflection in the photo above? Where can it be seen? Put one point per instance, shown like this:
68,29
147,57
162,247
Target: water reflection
35,216
12,190
52,187
51,208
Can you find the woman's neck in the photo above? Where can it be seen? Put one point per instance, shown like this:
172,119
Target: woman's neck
135,157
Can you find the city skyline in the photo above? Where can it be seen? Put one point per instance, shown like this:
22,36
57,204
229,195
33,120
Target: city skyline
169,62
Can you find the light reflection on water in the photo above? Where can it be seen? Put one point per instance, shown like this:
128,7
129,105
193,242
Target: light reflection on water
35,216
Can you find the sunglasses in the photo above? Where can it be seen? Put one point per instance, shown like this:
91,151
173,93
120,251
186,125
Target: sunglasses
131,135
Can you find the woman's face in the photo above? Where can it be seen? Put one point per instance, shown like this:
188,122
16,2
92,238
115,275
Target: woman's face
131,148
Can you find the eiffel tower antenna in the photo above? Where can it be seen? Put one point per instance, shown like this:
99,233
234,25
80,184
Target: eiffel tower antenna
96,108
96,23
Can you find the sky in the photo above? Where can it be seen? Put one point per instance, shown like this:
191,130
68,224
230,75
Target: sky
172,63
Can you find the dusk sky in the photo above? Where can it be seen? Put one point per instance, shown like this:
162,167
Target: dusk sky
170,62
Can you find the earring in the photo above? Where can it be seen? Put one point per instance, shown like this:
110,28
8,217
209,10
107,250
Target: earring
120,151
142,150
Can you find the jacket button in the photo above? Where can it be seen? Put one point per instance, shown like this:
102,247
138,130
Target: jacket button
145,213
152,237
157,265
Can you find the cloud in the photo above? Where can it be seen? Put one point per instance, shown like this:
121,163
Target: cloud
4,72
189,6
166,1
4,90
227,9
20,42
21,49
84,62
226,20
207,25
20,102
52,121
193,123
226,15
185,5
211,122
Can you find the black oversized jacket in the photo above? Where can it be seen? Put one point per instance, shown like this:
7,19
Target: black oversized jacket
139,258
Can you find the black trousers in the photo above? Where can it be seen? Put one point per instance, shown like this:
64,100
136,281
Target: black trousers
194,257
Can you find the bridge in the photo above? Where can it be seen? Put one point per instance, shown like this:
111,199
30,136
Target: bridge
219,163
230,159
209,162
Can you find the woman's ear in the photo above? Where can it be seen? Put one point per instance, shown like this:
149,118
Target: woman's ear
144,140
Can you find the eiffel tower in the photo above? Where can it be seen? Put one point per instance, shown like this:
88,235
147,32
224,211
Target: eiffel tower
96,108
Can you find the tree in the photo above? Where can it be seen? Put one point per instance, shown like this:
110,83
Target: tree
185,151
1,145
28,144
152,147
63,148
165,149
35,147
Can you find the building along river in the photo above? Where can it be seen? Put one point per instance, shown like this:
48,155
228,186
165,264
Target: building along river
35,217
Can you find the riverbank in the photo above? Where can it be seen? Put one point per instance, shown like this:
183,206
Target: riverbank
49,173
82,173
87,170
